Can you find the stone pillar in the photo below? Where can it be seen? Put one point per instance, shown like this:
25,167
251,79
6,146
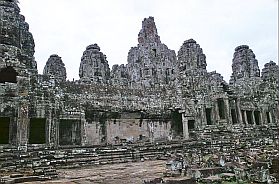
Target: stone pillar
52,122
185,126
227,110
270,117
216,112
203,116
238,111
48,129
23,124
277,112
199,116
82,128
253,117
245,117
261,117
264,116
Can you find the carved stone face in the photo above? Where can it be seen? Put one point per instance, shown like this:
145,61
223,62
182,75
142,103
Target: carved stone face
244,63
55,68
190,56
94,65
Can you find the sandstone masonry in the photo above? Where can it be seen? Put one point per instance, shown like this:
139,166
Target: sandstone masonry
156,97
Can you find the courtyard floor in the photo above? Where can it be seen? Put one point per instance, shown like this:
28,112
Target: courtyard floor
124,173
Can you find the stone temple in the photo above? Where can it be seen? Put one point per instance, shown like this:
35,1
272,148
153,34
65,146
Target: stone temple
156,103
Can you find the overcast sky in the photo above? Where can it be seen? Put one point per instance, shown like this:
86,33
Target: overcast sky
66,27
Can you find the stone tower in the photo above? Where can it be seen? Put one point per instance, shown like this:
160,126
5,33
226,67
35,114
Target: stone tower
18,74
148,35
245,64
119,75
151,62
192,67
191,56
270,72
16,42
55,68
94,66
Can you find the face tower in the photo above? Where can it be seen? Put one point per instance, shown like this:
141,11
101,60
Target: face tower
151,62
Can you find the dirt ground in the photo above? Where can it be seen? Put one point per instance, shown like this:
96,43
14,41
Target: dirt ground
124,173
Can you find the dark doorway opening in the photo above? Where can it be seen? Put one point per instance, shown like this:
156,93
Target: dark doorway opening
69,132
221,108
234,118
208,116
249,117
257,117
268,117
191,124
176,122
37,131
4,130
154,51
8,75
243,116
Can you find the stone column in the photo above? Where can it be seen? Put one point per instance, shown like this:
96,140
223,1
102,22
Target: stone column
238,111
52,122
227,110
199,116
23,124
48,129
267,115
261,117
245,117
203,116
253,117
264,116
185,126
270,117
216,111
82,127
277,112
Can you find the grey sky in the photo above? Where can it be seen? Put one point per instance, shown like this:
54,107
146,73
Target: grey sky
66,27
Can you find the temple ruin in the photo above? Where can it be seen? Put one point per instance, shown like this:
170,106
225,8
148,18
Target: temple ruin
158,98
